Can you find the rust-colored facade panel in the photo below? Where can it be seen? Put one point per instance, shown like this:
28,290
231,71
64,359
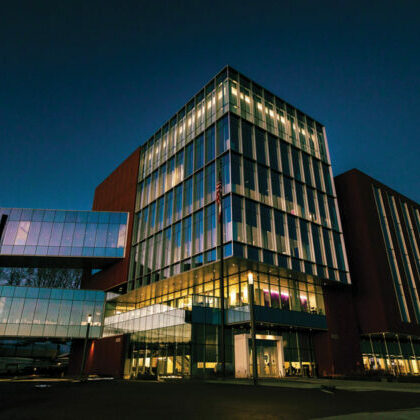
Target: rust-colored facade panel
374,290
105,356
338,349
116,193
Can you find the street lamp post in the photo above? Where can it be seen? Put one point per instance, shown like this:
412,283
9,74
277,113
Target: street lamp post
82,369
252,318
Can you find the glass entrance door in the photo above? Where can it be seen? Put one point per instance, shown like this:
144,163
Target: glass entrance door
267,358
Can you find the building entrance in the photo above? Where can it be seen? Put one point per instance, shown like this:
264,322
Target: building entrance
270,356
267,358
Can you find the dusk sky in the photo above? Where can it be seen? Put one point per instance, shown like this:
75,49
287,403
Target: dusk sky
83,83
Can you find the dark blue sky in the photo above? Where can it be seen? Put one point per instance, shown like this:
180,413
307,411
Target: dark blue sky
82,84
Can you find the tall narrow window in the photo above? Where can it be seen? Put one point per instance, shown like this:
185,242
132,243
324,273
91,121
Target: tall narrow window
339,251
189,153
236,173
307,169
281,123
144,229
167,247
225,162
306,244
328,247
263,183
210,144
159,213
152,219
251,223
222,135
285,162
169,205
187,237
188,196
179,170
260,146
333,212
199,152
300,201
234,133
249,176
322,209
327,178
210,225
198,190
178,202
280,232
296,164
210,183
162,183
155,185
177,241
247,148
292,128
288,195
275,188
272,149
238,222
266,228
146,196
317,175
198,232
157,263
316,238
293,236
321,144
170,177
311,203
227,219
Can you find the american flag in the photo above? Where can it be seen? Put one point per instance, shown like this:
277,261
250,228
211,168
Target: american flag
219,198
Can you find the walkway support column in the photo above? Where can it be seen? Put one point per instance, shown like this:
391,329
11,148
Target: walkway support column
219,194
82,368
252,319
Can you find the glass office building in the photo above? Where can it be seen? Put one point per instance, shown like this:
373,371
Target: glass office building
279,212
237,185
97,237
279,204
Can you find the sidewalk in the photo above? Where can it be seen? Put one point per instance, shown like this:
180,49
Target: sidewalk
346,385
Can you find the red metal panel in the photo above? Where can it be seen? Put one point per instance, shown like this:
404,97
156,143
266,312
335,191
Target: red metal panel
117,193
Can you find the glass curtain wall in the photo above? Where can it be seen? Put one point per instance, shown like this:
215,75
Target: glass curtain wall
278,197
43,312
270,154
63,233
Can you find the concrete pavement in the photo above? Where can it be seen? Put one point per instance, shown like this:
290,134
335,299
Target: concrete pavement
345,385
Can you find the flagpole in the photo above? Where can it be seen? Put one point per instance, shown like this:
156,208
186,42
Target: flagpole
219,193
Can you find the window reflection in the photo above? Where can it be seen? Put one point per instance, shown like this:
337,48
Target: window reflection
63,233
